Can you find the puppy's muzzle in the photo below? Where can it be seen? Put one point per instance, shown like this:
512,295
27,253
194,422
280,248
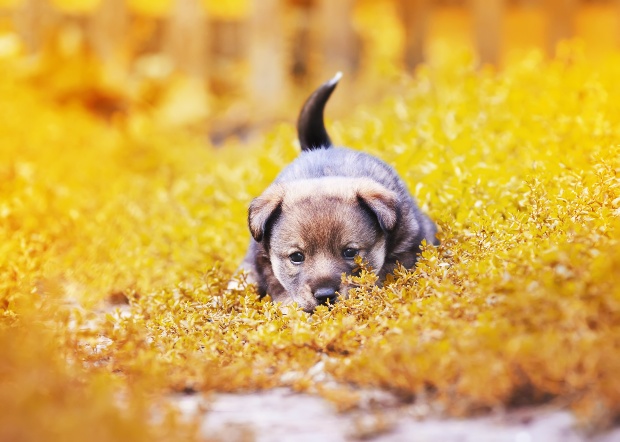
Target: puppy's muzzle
325,294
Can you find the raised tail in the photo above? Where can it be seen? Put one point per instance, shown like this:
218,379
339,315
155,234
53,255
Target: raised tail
310,125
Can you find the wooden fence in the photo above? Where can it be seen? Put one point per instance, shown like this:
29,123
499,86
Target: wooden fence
280,41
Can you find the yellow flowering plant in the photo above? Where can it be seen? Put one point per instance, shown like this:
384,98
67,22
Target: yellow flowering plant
118,239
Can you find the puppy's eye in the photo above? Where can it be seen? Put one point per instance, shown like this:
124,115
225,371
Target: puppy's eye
349,253
296,258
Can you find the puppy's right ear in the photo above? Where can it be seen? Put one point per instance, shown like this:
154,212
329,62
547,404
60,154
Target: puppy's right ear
383,203
263,211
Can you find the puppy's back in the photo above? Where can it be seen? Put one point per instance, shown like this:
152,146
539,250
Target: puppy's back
319,158
344,162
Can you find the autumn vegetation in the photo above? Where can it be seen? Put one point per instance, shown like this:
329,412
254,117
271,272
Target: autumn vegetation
119,234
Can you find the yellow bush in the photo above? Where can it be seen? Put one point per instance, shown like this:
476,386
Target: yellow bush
519,305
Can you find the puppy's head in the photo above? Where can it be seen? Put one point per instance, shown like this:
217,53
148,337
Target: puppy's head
313,229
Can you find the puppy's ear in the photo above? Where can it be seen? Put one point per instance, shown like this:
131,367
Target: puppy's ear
263,210
383,203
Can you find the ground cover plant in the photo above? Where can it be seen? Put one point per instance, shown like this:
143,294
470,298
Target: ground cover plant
118,238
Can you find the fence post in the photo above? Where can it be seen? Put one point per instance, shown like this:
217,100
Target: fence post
301,43
185,37
34,22
415,16
268,84
488,16
617,14
108,31
338,41
560,22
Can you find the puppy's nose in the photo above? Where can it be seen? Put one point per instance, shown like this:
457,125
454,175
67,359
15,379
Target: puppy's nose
325,293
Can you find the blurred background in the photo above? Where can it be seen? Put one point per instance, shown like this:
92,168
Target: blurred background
231,67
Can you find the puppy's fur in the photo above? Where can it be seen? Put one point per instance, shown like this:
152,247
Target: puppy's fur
327,206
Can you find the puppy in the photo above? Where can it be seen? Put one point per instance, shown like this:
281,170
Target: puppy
328,206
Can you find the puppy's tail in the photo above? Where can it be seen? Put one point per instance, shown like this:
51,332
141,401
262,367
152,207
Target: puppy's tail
310,126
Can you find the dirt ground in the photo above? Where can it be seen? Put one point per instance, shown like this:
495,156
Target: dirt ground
281,415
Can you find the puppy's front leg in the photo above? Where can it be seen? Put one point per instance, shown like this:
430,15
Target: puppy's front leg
257,266
248,267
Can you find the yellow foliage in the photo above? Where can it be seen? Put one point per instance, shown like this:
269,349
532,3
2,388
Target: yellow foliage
10,3
519,305
154,8
46,394
227,9
76,6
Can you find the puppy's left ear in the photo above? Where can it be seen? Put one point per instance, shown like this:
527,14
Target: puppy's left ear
380,201
263,211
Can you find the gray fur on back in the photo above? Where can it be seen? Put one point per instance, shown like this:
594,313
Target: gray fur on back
340,161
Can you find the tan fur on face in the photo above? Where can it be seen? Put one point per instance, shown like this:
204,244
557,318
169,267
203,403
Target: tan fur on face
320,218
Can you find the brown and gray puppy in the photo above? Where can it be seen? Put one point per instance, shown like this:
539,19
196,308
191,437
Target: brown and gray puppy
328,206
